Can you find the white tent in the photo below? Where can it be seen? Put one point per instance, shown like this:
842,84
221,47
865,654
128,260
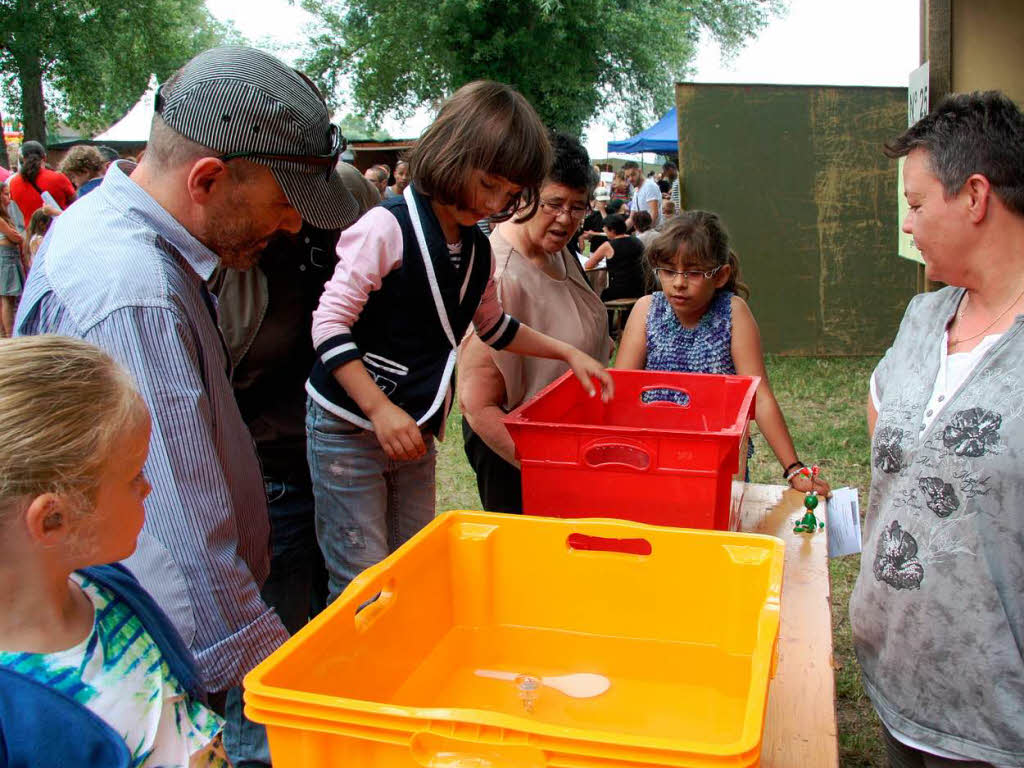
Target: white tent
134,126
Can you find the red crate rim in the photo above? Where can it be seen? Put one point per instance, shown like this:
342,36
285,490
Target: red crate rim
515,417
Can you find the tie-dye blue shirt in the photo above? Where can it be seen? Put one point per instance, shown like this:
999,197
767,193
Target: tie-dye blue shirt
120,675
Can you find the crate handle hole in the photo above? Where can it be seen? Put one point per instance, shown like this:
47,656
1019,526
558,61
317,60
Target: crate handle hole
587,543
371,609
617,454
665,396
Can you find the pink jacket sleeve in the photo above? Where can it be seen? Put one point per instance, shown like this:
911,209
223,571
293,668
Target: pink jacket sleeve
367,252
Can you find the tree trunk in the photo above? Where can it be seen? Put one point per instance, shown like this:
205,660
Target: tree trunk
33,106
4,161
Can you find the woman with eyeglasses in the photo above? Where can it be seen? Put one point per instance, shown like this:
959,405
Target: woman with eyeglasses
539,282
699,322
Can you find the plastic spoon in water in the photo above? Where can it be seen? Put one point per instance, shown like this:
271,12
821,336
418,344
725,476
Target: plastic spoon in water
580,685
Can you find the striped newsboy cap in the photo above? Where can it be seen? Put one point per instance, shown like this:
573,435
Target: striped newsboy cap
242,102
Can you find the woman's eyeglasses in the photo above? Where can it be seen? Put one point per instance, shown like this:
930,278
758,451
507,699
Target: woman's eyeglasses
554,209
689,274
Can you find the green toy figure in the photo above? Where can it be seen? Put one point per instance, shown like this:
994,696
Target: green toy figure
809,523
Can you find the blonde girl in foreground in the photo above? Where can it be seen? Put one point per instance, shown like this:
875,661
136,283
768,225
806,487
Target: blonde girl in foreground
91,671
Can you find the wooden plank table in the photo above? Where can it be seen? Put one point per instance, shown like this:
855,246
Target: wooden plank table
800,721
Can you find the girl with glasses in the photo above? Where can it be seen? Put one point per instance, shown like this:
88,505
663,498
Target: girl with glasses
699,322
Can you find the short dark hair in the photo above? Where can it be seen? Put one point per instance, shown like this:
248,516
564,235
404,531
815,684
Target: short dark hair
669,166
642,221
630,165
968,133
614,206
616,223
109,154
570,164
488,126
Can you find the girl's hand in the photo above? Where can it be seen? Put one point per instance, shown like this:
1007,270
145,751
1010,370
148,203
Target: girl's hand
587,368
399,435
805,484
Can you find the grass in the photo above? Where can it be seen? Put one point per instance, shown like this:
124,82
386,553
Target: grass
823,400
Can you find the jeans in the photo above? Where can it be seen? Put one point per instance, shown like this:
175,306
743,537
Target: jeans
367,505
296,588
245,742
297,585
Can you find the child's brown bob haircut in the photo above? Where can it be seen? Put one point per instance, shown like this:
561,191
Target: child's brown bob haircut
487,126
707,246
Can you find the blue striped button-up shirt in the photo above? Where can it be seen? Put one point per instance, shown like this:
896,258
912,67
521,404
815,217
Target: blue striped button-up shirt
118,270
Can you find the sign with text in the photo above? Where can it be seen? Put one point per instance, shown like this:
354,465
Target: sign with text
917,94
917,107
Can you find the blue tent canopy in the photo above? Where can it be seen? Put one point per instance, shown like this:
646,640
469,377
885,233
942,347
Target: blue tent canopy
661,138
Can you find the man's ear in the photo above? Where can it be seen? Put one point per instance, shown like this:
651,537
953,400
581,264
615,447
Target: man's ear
206,173
977,189
47,520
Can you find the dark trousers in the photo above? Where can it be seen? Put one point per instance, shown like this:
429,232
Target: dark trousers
500,484
296,588
297,585
902,756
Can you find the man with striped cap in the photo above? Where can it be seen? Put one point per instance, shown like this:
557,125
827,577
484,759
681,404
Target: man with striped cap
241,148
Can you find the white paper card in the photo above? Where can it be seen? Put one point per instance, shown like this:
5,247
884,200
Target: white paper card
48,200
843,523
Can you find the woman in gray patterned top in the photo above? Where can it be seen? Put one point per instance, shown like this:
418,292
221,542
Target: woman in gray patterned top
938,609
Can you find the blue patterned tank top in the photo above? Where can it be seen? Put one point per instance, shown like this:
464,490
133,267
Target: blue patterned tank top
707,348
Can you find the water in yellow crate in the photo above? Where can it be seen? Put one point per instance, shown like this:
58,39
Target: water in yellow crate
659,689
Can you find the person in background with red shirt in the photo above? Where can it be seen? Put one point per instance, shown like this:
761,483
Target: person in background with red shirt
33,178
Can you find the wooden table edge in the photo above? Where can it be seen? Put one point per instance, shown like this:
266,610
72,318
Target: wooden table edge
800,716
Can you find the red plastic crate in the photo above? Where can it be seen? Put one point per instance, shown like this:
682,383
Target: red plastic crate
657,462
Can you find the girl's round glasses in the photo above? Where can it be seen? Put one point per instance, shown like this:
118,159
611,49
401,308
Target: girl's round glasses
689,274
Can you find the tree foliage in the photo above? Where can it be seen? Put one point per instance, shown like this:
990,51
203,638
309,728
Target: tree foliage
573,59
88,61
358,127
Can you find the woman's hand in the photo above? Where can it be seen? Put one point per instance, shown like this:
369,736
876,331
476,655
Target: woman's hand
586,369
399,435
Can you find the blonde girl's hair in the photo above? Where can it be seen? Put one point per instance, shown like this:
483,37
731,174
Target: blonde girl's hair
487,126
39,224
707,244
63,403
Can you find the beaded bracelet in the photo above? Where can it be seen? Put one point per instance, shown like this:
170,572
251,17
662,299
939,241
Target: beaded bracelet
792,469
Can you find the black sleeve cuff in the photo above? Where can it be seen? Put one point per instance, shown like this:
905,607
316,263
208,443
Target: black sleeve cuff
337,351
500,335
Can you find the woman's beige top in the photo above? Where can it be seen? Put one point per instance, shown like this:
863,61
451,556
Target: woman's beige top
565,309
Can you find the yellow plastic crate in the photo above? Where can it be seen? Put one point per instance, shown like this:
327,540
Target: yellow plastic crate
685,636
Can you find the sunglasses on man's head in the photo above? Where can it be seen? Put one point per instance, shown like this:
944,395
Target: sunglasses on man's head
328,161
